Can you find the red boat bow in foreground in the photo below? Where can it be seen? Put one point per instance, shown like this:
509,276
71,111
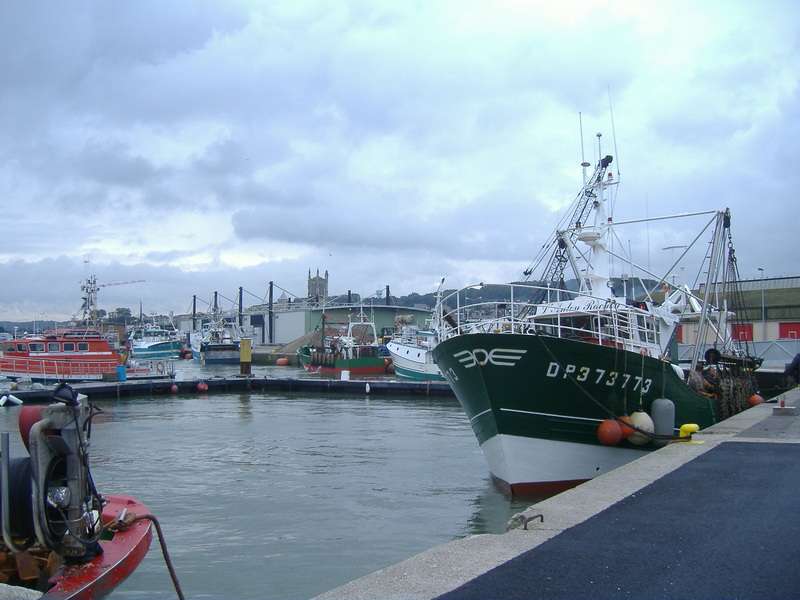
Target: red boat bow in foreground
60,537
121,555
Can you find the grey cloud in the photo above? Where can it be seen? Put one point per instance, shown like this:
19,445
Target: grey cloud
387,142
468,232
110,162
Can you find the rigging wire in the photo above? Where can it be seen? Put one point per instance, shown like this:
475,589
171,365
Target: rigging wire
257,297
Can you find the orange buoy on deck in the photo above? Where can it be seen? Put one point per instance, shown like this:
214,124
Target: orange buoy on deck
282,361
755,400
609,432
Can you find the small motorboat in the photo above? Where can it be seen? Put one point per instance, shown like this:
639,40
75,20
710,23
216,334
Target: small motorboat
60,538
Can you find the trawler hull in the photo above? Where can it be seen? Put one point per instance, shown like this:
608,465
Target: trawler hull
165,349
534,403
210,353
328,364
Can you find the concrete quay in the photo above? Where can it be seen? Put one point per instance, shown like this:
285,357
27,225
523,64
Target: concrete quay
712,518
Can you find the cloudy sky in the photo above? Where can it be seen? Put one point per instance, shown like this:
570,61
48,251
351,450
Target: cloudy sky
208,145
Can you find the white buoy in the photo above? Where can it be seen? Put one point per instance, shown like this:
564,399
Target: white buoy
641,420
14,400
345,376
366,388
3,400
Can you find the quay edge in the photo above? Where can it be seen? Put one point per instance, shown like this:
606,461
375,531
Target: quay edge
444,569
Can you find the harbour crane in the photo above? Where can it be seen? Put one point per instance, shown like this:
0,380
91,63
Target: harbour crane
90,288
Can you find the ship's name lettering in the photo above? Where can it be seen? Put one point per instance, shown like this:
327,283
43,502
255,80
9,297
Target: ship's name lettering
571,307
599,376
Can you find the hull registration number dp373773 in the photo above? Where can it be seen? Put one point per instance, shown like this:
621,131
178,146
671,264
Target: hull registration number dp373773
600,377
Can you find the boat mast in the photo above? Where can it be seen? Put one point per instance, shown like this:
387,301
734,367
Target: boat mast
596,237
89,307
714,257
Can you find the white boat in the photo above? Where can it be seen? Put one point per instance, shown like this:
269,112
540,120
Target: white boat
412,349
412,355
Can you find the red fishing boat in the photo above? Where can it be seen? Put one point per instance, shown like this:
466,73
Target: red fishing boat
77,353
72,354
60,538
61,355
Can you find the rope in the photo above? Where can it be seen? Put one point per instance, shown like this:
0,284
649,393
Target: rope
124,524
602,406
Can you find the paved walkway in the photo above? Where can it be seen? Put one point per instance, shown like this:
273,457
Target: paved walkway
715,518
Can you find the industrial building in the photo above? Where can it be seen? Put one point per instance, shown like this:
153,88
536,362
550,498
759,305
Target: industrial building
283,320
767,318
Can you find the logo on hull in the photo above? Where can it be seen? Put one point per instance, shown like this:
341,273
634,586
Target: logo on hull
501,357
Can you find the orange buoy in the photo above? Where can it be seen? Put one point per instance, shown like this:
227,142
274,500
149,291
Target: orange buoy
755,400
282,361
609,432
174,388
624,424
202,387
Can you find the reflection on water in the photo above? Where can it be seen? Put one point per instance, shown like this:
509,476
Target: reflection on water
287,495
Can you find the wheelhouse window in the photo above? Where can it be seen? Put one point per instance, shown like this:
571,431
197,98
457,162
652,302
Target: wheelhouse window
22,348
36,347
69,346
9,348
52,346
83,346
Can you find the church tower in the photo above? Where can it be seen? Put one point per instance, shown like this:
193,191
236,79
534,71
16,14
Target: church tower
317,286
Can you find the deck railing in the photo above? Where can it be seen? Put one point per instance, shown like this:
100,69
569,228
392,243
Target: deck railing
57,370
597,320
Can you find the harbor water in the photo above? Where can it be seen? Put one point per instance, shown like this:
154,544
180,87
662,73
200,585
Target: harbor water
284,496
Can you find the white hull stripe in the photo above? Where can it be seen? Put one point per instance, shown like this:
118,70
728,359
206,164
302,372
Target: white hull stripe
480,414
541,414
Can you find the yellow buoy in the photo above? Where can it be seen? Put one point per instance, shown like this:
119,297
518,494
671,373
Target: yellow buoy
687,429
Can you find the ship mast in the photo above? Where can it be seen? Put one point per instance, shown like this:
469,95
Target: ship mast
596,237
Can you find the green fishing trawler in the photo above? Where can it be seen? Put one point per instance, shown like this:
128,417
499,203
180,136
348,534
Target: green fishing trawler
355,352
546,371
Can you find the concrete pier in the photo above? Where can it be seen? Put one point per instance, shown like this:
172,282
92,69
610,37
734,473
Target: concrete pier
711,518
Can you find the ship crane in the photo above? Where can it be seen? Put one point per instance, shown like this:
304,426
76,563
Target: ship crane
90,288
